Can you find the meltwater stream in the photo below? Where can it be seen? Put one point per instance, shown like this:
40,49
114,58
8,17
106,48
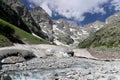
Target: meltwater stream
83,69
40,74
51,74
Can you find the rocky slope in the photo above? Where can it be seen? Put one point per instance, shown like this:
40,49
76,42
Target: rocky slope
22,11
12,34
43,20
13,29
107,36
113,18
12,17
105,43
93,27
71,34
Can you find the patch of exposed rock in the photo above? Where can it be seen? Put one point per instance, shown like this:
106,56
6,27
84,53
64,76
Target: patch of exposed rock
71,34
93,27
113,18
44,20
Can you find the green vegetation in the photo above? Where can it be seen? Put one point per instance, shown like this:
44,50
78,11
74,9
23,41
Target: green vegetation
108,36
11,31
4,41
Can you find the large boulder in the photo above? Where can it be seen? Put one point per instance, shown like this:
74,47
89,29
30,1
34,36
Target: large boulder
12,60
15,55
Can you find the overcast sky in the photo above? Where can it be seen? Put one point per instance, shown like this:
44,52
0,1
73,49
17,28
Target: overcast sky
78,10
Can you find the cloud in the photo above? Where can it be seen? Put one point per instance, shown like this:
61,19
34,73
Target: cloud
116,4
71,9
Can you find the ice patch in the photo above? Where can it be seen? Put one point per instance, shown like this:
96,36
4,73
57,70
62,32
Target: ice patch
85,32
72,29
35,35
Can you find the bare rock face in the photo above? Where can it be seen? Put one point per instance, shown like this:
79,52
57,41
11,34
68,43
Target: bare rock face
71,34
113,18
64,32
93,27
21,10
43,20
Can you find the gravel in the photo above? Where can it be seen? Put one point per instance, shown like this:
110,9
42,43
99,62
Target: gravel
52,67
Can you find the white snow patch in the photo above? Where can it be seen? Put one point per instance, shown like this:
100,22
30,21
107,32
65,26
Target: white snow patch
106,22
91,26
54,27
35,35
84,32
115,15
96,27
71,29
59,43
45,26
44,31
57,21
79,33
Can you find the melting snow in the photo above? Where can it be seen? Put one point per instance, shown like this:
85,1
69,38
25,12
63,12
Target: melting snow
35,35
96,27
72,29
79,33
59,43
54,27
85,32
115,15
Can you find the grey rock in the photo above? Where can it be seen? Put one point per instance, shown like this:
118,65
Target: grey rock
6,77
112,78
16,52
12,59
90,77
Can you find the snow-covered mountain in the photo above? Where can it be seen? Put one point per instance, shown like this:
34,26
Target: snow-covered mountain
61,32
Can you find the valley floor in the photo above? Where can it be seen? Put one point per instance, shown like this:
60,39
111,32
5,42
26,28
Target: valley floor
57,63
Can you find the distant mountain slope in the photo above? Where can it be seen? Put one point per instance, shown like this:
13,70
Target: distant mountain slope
108,36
